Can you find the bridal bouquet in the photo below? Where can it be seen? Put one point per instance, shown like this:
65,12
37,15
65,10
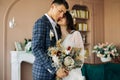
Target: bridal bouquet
68,58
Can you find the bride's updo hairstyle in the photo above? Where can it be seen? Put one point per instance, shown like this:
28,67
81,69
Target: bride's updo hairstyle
69,21
61,2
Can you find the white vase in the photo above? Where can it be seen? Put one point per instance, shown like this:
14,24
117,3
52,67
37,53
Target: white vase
107,59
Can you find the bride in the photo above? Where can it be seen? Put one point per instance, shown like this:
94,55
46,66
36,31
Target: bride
71,38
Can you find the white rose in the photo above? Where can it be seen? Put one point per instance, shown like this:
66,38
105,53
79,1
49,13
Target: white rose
68,61
56,60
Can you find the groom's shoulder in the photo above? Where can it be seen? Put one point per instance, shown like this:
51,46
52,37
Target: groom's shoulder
42,19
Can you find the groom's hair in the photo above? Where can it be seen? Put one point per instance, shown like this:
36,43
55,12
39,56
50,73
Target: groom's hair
61,2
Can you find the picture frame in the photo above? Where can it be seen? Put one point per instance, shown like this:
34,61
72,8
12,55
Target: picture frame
18,46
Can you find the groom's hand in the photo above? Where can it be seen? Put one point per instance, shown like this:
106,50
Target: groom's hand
61,72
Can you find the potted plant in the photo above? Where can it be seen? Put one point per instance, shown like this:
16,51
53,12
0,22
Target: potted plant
105,51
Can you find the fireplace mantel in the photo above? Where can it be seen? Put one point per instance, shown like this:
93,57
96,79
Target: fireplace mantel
17,57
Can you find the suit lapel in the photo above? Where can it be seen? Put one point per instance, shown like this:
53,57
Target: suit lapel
58,30
50,28
50,25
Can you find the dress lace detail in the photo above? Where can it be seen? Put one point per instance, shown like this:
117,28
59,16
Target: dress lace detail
74,39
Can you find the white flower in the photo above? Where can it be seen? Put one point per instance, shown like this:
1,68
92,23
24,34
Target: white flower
68,61
99,55
95,47
28,46
51,34
67,52
56,60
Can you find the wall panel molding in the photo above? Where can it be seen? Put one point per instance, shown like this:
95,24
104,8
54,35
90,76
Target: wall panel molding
10,6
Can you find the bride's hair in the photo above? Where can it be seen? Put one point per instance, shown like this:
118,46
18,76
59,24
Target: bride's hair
69,20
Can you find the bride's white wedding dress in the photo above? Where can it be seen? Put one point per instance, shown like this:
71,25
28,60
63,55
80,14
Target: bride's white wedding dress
74,40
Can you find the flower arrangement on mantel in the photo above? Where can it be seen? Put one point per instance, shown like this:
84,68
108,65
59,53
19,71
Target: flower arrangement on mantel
105,50
27,45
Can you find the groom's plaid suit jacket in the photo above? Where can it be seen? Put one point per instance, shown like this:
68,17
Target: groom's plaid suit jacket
42,68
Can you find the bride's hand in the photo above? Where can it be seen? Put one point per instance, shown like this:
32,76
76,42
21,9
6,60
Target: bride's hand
61,72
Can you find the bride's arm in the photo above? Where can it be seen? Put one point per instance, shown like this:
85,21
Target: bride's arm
79,42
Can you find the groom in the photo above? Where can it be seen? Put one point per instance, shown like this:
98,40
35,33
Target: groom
44,36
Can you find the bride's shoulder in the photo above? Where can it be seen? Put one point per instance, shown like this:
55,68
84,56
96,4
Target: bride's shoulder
75,32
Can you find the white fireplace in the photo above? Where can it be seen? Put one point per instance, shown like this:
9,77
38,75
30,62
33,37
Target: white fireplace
17,57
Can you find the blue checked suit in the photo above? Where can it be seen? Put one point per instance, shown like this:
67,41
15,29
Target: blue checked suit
42,68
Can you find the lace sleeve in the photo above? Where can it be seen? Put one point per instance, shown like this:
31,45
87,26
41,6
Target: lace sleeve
79,42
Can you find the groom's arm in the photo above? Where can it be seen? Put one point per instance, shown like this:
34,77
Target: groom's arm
39,46
38,49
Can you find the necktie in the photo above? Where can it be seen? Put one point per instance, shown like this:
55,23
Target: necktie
58,29
55,30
